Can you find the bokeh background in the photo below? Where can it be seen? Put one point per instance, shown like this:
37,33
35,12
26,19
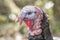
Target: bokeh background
9,10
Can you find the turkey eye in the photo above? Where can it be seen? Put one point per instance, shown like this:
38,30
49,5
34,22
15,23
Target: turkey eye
29,13
35,12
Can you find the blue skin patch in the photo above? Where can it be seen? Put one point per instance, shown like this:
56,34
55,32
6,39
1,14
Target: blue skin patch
23,14
30,16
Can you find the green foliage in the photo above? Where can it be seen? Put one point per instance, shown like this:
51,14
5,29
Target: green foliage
3,19
4,10
22,3
39,3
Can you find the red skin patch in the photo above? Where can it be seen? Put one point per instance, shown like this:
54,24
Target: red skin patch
29,24
35,32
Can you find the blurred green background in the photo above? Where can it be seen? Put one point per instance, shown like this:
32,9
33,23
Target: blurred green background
9,10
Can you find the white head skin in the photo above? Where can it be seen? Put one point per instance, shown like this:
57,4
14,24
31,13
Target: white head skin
28,12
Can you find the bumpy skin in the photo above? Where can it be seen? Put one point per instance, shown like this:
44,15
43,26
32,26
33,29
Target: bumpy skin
37,22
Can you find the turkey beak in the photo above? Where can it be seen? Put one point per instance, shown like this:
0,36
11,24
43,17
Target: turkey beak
21,17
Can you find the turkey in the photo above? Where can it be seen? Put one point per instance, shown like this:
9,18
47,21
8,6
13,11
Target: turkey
37,23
